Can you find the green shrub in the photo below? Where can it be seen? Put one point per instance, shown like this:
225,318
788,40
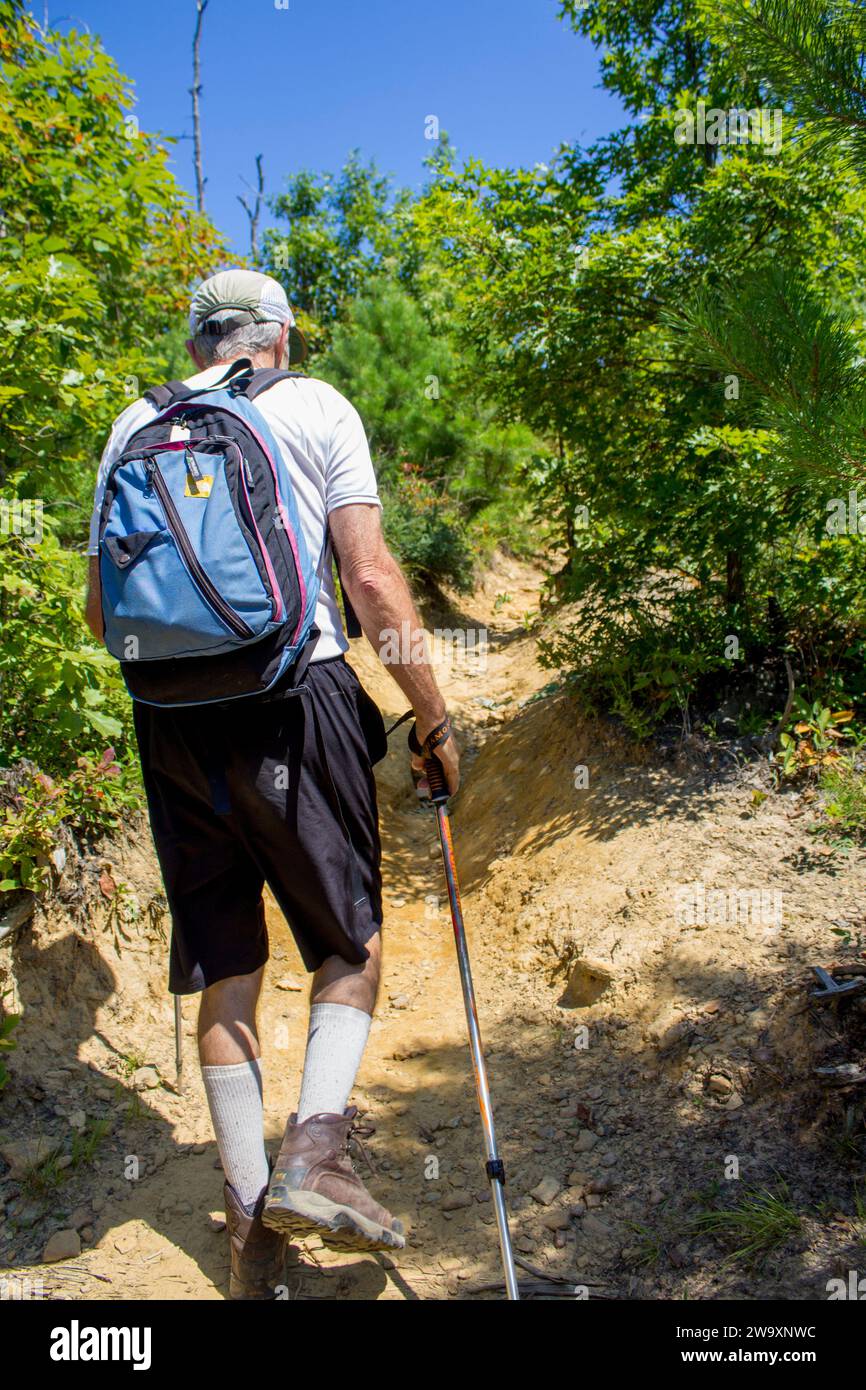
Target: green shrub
425,532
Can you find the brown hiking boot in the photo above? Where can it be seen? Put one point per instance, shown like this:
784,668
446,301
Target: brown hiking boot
314,1187
258,1255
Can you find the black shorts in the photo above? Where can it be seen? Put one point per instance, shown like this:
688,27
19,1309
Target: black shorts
277,790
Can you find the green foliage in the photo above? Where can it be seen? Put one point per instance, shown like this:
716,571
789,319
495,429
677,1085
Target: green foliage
92,799
673,481
425,531
49,662
807,52
762,1220
98,248
340,232
816,740
843,787
441,460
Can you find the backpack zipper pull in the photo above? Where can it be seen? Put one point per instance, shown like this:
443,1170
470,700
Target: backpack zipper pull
248,474
192,467
149,470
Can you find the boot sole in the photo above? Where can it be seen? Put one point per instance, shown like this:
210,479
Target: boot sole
342,1228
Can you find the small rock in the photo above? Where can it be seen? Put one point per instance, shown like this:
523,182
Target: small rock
145,1079
63,1245
587,981
586,1141
288,982
24,1154
557,1220
595,1226
78,1120
216,1221
199,1148
547,1190
87,1234
719,1085
456,1201
80,1217
400,1001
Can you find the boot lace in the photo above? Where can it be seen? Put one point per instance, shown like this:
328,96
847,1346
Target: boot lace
355,1135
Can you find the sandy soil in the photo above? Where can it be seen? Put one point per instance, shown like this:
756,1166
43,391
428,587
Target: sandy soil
645,1070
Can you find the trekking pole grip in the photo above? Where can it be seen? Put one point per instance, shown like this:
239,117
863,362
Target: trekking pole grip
433,769
436,779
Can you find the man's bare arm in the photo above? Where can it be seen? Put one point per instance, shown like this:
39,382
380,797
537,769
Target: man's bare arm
380,596
93,608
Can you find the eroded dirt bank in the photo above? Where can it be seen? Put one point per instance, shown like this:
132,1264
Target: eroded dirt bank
638,1062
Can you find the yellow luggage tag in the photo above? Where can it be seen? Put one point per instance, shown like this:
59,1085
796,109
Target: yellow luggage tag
198,487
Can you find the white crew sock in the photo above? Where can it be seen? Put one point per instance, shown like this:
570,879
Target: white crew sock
234,1095
335,1045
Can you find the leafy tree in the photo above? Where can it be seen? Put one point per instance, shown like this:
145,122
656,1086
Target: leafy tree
681,528
440,460
341,231
795,336
98,249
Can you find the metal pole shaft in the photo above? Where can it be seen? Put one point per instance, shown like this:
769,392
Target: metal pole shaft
479,1066
178,1044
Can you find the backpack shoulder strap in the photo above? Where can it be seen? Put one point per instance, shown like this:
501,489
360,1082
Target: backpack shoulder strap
238,374
264,378
164,396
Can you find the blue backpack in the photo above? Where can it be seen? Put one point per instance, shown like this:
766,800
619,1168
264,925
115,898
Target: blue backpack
208,589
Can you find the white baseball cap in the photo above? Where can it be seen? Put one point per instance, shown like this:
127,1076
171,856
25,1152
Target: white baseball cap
254,297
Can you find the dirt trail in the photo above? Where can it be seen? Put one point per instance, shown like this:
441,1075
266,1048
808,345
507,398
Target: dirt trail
632,1056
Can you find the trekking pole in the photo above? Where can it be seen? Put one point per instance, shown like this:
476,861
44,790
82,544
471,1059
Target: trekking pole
495,1166
178,1044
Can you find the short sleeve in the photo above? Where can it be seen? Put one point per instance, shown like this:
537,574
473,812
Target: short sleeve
349,473
109,454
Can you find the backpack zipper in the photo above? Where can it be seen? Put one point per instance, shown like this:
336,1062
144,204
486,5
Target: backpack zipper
199,577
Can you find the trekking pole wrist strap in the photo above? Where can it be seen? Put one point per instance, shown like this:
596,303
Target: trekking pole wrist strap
436,737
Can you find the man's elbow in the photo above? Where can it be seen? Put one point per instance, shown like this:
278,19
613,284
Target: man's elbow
370,582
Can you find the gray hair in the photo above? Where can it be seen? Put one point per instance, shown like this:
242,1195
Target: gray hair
250,340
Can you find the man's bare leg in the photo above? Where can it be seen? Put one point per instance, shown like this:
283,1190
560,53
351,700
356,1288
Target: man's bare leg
227,1032
337,982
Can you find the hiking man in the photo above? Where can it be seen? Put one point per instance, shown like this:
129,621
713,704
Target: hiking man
275,787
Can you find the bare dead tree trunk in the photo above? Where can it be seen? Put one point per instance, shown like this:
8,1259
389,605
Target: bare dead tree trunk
200,7
254,212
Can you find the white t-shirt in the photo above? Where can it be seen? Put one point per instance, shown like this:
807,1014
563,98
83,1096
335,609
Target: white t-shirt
325,450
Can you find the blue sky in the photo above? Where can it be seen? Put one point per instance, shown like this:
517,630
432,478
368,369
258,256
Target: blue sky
305,85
